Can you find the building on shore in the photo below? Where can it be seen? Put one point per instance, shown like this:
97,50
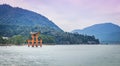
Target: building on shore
5,38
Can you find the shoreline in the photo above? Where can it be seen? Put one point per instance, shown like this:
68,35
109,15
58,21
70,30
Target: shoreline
55,44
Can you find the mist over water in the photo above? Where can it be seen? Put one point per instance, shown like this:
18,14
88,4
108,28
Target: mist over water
60,55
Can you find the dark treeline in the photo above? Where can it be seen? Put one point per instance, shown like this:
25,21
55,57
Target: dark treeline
15,40
53,38
68,38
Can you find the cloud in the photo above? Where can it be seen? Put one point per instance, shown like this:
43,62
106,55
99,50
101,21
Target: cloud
73,14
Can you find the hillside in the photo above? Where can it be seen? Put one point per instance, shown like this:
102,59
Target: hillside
106,32
14,19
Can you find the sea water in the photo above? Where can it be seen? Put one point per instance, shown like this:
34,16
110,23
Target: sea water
60,55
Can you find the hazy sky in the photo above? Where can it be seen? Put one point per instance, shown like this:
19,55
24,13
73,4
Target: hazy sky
73,14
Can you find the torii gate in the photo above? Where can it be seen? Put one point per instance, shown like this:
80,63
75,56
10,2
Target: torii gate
35,41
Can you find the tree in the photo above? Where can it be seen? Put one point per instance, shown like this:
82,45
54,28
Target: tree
17,40
1,40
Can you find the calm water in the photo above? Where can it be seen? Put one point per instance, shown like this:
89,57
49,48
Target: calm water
61,55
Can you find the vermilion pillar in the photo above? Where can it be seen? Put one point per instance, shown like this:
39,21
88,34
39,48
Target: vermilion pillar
40,42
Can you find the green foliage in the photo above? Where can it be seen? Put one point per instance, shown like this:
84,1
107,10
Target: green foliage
68,38
17,40
71,38
1,40
47,39
54,38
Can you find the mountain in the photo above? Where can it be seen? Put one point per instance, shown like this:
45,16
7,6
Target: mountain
15,19
17,23
106,32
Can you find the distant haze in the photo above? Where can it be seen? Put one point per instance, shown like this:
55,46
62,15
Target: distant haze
73,14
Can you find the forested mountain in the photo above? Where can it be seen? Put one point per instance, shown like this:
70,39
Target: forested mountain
106,32
17,23
17,19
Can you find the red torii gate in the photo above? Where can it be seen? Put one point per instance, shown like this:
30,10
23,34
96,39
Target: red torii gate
35,41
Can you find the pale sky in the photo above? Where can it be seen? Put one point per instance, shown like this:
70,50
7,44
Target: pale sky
72,14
